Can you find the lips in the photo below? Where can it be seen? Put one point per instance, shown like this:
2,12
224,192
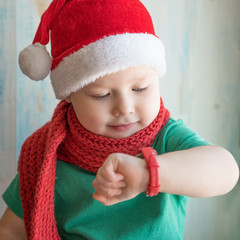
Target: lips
123,127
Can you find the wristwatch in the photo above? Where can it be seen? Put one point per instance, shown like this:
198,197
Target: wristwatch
152,164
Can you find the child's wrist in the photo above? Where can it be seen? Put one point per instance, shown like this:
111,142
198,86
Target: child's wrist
146,178
144,175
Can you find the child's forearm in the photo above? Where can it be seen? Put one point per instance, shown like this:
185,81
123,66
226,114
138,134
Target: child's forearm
198,172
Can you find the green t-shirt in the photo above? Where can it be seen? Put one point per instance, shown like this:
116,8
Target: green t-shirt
79,216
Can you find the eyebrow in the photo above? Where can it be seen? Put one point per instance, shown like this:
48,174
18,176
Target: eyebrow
93,85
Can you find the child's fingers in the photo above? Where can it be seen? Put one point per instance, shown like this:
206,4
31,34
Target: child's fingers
110,175
107,192
109,179
119,177
100,181
98,197
105,200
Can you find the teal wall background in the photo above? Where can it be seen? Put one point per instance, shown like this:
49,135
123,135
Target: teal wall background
8,96
202,86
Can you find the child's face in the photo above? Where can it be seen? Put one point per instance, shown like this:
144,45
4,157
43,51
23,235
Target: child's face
119,104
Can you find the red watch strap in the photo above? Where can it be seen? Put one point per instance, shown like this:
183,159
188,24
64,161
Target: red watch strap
152,164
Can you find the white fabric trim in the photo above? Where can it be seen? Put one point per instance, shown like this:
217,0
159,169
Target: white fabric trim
105,56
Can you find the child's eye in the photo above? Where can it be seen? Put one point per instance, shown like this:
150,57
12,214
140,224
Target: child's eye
101,96
139,89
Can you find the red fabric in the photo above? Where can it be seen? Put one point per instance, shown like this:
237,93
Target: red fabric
77,23
42,34
64,138
83,22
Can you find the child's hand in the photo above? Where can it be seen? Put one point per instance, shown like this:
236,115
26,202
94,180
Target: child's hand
120,178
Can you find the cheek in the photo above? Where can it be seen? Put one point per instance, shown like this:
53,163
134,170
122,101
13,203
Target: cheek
90,117
149,112
149,108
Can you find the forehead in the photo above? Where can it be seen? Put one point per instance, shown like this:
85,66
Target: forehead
130,75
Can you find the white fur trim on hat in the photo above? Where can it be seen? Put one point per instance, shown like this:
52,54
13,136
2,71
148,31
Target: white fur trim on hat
106,56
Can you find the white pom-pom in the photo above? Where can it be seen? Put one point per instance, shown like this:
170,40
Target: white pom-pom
35,61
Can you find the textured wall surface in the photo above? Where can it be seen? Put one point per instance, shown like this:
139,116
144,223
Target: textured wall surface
7,95
201,86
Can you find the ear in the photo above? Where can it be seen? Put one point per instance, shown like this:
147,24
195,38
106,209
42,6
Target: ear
68,99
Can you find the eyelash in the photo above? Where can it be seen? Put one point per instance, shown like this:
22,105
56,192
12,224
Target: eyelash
139,89
101,97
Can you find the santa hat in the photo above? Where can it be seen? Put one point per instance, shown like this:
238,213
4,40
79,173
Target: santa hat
91,38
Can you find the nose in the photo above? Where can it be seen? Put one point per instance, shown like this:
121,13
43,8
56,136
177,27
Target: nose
123,106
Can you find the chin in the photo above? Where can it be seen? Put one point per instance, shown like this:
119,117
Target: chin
118,135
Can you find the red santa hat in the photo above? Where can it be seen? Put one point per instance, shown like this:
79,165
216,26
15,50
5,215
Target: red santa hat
91,38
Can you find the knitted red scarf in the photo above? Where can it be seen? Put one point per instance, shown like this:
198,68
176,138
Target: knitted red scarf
64,138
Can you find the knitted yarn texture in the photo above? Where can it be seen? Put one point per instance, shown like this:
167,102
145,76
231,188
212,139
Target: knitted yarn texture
66,139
